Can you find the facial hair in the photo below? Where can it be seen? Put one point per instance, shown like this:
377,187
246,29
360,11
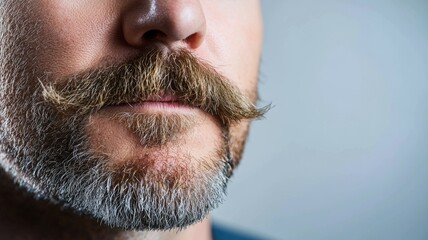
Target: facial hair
43,135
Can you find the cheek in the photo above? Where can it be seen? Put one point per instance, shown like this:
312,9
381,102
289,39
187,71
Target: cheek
233,41
238,136
72,34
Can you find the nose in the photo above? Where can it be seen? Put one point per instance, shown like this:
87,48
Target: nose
169,22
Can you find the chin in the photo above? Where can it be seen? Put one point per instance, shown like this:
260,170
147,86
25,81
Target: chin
132,186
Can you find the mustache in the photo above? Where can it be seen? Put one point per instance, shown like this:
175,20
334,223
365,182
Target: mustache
155,74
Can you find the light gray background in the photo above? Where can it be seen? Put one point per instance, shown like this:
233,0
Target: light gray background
344,152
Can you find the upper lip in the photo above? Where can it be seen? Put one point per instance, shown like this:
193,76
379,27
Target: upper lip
161,98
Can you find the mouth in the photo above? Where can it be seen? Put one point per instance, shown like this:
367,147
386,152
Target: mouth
167,103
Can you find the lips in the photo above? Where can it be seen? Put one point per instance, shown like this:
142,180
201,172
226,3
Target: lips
157,103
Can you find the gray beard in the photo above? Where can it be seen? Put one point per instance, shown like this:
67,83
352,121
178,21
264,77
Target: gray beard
52,160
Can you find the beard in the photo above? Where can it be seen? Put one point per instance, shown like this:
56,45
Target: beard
47,148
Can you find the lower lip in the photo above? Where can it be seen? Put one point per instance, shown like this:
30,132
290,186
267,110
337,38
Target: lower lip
154,106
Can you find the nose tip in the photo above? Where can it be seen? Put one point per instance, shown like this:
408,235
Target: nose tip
171,23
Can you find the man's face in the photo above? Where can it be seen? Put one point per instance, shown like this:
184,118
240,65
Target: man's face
133,112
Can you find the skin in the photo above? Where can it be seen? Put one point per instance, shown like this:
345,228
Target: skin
83,34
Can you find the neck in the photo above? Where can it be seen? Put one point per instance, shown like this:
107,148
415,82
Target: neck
24,217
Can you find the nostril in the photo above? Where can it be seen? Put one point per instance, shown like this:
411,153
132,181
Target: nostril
194,40
154,35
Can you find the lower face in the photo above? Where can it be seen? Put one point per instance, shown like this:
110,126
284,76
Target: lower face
96,163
